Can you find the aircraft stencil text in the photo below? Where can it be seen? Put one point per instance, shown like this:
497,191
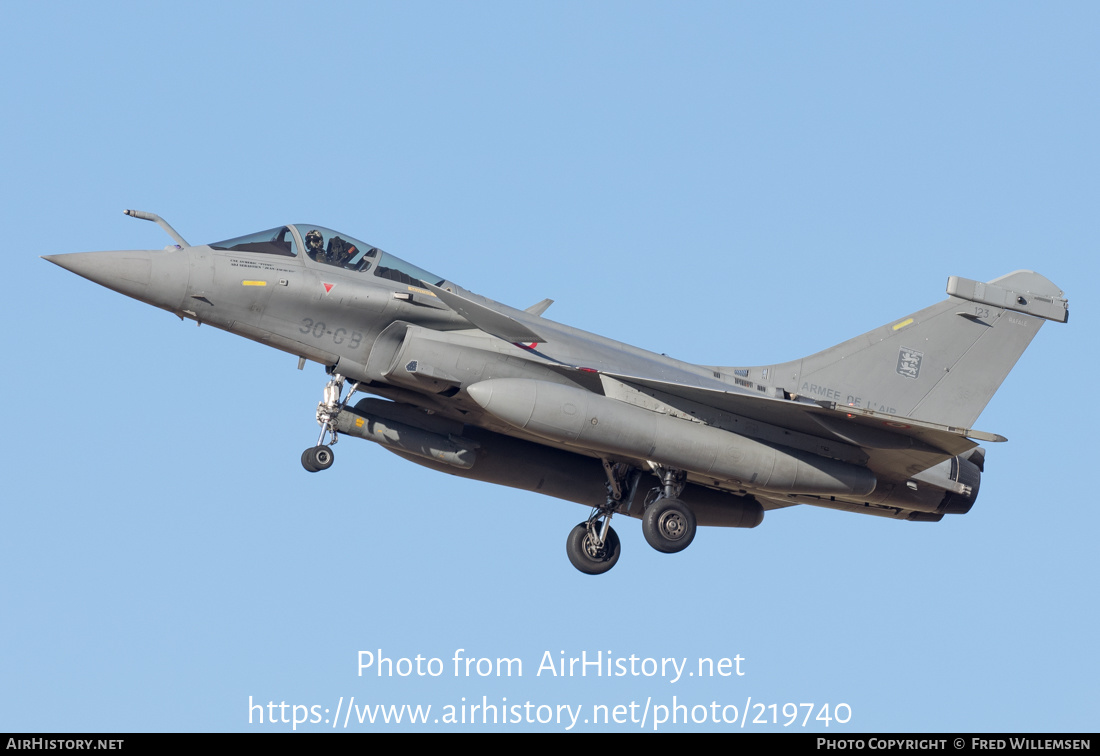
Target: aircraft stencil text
849,399
318,330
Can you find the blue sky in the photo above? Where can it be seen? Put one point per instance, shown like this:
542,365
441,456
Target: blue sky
728,183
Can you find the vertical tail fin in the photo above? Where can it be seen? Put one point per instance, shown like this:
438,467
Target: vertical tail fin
941,364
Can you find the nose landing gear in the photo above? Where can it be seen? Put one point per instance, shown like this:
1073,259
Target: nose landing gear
320,457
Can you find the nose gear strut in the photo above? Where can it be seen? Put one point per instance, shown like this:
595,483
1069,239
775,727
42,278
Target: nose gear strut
320,457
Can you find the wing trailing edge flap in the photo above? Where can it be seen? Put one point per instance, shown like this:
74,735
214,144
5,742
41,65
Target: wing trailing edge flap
492,320
864,428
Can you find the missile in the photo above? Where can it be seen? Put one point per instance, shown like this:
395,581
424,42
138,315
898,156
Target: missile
586,421
398,436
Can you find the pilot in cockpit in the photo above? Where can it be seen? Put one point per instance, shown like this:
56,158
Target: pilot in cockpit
315,246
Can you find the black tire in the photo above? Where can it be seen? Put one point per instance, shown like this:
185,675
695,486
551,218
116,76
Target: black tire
317,458
669,525
586,557
306,460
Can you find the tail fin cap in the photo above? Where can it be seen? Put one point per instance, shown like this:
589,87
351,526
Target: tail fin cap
1021,291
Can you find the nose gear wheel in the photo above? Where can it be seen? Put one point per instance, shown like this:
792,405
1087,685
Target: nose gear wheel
317,458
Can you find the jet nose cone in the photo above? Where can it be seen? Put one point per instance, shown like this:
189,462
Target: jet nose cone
125,272
156,277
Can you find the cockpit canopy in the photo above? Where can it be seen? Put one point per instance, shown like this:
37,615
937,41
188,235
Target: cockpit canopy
328,247
274,241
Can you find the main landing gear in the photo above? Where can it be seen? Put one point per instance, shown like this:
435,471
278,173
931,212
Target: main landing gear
320,457
668,524
593,546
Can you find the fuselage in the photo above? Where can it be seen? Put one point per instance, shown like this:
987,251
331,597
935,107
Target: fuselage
373,318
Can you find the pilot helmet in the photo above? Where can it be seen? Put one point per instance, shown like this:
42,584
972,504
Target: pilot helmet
314,236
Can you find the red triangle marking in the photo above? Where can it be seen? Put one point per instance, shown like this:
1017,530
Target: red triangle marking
328,286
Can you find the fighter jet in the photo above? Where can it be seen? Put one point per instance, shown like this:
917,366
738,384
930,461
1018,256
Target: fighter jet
877,425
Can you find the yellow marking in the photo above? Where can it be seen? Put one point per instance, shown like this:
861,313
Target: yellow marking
359,422
253,283
902,324
421,291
